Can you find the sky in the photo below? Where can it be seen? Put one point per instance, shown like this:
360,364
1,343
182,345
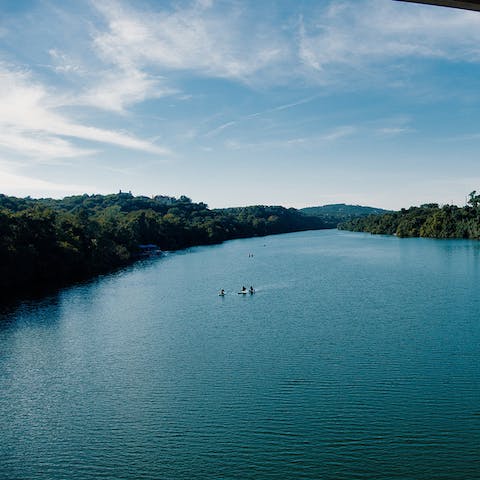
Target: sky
294,103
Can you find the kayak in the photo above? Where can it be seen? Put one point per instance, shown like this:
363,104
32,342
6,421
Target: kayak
243,293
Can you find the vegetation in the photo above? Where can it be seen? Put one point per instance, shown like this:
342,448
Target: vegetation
52,242
340,212
429,220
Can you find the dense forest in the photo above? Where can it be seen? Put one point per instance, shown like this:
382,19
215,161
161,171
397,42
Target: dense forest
429,220
340,212
54,242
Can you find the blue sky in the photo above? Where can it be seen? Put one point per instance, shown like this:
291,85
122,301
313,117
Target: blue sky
295,103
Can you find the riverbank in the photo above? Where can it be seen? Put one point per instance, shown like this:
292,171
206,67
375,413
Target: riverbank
49,243
429,220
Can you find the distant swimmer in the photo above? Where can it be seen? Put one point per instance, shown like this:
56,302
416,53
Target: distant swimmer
251,290
222,293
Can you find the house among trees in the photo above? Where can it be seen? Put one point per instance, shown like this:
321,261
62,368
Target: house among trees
149,250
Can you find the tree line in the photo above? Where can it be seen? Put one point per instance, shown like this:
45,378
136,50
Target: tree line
54,242
428,220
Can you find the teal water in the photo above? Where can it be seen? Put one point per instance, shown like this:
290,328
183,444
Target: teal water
357,358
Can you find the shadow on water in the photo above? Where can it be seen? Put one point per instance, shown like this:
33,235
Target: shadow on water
42,296
14,305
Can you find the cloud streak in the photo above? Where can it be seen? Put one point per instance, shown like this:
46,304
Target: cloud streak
32,125
313,141
279,108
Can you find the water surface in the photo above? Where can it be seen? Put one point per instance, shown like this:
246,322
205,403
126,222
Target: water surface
357,358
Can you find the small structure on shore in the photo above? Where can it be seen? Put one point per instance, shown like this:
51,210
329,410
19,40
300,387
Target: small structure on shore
149,250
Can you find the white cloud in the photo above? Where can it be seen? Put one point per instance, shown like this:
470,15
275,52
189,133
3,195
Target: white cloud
117,89
198,38
63,63
137,52
364,38
358,35
21,185
136,55
39,145
29,112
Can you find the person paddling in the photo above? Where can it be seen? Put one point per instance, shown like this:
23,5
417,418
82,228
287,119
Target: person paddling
222,292
251,290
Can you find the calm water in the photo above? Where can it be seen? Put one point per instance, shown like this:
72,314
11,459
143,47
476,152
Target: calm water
357,358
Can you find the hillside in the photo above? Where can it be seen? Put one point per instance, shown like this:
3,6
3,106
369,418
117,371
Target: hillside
429,220
341,212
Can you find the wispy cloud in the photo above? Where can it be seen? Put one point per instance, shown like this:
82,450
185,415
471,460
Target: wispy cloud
138,52
360,35
389,126
279,108
39,145
62,63
339,132
31,123
196,38
119,88
12,183
329,45
313,141
252,116
392,131
223,126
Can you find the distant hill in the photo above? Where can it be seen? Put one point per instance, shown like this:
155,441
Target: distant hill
341,212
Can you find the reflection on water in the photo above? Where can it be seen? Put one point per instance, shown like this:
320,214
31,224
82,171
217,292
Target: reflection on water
356,358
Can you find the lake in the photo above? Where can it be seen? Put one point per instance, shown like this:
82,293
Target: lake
357,358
